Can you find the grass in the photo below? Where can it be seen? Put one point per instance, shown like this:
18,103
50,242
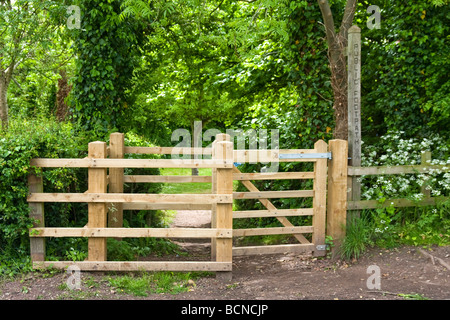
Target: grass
357,239
188,187
192,187
154,282
417,226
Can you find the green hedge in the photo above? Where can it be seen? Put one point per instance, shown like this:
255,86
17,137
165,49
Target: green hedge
46,138
27,139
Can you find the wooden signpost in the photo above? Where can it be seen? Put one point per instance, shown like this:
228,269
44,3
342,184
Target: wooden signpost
354,110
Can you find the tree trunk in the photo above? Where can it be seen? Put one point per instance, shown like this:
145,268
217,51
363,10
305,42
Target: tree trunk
62,110
3,101
196,135
339,84
337,45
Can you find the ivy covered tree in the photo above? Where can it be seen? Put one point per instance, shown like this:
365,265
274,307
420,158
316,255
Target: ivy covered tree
107,50
337,44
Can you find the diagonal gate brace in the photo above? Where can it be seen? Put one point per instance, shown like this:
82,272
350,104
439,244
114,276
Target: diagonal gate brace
269,205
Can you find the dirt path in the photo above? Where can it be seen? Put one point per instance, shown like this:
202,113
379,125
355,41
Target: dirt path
405,273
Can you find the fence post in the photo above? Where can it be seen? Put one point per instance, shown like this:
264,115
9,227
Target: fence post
97,214
424,157
337,191
116,151
224,211
219,137
37,245
319,199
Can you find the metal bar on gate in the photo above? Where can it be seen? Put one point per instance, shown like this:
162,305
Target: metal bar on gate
326,155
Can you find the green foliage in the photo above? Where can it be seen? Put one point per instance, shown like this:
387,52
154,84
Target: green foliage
358,237
150,283
76,255
395,148
144,218
405,83
133,140
29,32
296,100
184,73
425,226
27,139
388,226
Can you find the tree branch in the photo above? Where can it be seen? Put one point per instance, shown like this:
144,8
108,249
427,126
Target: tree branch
327,20
210,14
9,71
347,20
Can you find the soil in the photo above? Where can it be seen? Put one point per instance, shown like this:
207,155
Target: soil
406,273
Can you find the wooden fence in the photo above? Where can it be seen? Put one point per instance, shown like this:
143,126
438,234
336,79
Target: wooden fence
356,172
97,198
106,201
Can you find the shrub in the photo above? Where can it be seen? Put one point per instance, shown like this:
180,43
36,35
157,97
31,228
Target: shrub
393,149
27,139
412,225
46,138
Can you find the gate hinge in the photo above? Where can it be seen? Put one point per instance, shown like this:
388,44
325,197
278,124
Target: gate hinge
321,247
325,155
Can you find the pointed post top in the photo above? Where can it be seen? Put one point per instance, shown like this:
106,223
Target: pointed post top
354,29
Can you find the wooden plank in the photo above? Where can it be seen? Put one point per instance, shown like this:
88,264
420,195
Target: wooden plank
273,194
271,231
37,246
273,176
269,205
138,265
271,213
405,169
130,197
320,198
398,203
166,206
115,185
273,249
97,212
255,156
132,232
145,163
165,179
337,192
248,155
168,150
130,163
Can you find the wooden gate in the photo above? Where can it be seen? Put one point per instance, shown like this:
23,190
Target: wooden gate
316,244
224,172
